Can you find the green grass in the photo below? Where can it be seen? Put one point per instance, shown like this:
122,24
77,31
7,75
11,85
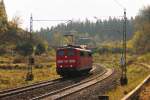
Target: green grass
11,78
135,74
16,78
145,58
5,59
13,75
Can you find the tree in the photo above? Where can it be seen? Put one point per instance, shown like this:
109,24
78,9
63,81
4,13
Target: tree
40,48
3,18
25,48
141,39
15,22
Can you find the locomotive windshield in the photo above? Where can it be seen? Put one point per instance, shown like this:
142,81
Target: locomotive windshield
66,52
60,53
70,52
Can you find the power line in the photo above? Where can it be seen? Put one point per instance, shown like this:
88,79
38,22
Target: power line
119,4
52,20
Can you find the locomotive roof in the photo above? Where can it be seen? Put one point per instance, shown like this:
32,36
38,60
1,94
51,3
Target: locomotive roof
74,47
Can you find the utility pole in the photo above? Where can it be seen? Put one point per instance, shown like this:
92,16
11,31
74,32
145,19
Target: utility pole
31,26
30,76
124,79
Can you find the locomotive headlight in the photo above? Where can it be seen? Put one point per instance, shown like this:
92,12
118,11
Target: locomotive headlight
72,61
60,61
61,66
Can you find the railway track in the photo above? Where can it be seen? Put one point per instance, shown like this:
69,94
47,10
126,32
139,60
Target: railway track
28,92
11,92
61,93
34,90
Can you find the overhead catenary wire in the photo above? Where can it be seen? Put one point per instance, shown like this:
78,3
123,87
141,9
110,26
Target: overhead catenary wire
119,4
52,20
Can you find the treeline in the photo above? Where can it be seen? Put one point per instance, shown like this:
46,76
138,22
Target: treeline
100,31
106,31
86,32
141,40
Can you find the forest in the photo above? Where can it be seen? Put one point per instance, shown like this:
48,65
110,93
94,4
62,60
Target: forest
94,34
88,32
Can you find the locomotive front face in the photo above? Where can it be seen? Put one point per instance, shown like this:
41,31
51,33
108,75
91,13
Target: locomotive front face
66,58
66,61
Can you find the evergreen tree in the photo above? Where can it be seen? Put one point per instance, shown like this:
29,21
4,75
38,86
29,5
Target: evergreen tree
101,31
3,17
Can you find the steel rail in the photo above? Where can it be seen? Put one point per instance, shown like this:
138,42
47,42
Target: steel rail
76,87
14,91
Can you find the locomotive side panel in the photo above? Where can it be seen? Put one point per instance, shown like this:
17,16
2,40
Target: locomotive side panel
85,60
73,61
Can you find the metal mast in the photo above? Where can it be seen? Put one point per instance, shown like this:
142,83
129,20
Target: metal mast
124,79
30,76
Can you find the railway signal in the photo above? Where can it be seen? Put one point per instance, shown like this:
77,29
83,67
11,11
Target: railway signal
123,64
30,76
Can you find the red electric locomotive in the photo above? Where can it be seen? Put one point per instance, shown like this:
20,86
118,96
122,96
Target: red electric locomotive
73,60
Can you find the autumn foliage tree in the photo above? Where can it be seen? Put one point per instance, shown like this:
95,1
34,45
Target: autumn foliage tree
25,48
3,18
141,39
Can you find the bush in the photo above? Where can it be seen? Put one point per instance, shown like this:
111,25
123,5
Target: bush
25,48
2,51
40,48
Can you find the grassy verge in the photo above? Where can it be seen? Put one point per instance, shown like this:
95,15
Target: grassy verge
135,73
16,78
144,58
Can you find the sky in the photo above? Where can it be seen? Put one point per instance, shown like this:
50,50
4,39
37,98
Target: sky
69,10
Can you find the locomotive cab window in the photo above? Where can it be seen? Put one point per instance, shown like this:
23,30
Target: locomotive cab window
82,53
60,53
70,52
89,54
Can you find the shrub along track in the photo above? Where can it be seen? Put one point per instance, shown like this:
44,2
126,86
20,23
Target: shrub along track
28,92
